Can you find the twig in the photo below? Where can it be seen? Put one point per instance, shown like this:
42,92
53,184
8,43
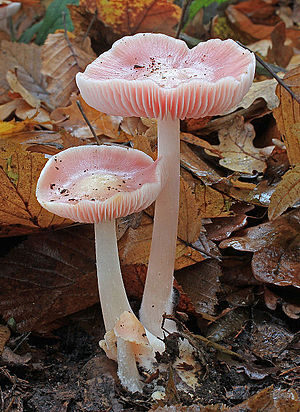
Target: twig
68,40
180,24
21,341
276,77
95,15
88,122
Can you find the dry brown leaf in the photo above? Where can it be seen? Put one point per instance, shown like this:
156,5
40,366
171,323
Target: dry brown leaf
4,336
276,245
72,121
280,53
237,150
16,87
286,194
60,64
196,166
189,223
134,247
27,59
244,25
287,115
127,17
20,212
48,276
201,284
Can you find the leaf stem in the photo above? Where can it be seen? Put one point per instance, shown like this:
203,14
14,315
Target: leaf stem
88,122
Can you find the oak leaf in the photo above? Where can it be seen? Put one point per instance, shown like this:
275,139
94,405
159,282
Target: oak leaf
237,149
61,60
286,194
127,17
20,212
287,115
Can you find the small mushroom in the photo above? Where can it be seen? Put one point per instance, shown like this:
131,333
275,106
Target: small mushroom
153,75
97,184
8,8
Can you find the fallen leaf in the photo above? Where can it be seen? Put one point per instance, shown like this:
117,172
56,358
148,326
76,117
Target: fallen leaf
72,121
276,246
135,16
201,284
280,53
270,399
221,227
134,247
27,60
48,276
287,115
260,90
20,212
269,336
189,223
237,150
244,25
4,336
196,166
60,63
16,86
286,194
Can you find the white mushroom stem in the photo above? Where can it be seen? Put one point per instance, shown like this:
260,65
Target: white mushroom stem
114,302
157,297
112,292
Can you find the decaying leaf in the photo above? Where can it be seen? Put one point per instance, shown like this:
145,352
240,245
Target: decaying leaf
16,86
27,59
201,283
4,336
134,247
60,63
20,212
276,245
287,115
286,194
260,90
136,16
189,224
71,120
48,276
237,150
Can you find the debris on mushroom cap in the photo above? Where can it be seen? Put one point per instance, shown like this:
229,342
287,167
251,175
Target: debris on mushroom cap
153,75
90,184
129,329
7,9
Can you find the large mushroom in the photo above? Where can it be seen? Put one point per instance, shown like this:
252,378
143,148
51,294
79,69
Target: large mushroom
97,184
153,75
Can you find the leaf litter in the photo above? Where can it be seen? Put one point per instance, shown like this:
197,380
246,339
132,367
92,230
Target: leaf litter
237,256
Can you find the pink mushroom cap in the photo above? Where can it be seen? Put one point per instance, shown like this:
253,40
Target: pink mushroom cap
154,75
90,184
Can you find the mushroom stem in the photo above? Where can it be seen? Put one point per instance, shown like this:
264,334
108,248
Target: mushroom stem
112,292
158,296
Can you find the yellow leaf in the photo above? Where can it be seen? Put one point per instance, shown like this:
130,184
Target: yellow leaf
128,17
286,194
20,212
287,115
9,128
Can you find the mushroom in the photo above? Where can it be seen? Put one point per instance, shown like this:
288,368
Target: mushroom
153,75
8,9
97,184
